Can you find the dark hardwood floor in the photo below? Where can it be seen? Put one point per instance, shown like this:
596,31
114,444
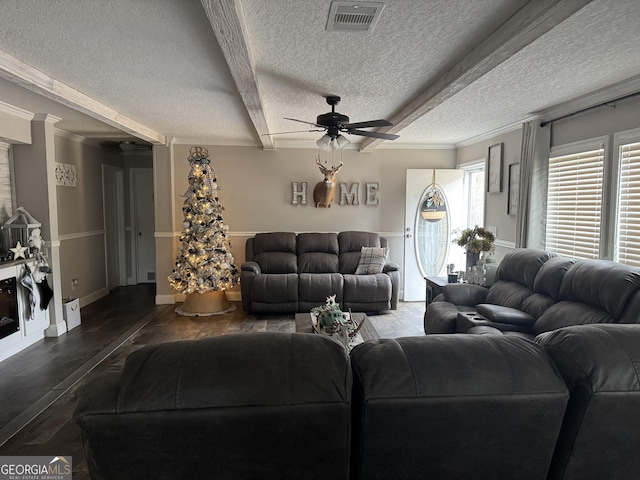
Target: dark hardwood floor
38,385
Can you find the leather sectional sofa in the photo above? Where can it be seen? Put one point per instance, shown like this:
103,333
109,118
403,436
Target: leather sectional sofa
288,272
536,292
290,406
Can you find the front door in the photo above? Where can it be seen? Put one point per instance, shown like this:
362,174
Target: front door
433,209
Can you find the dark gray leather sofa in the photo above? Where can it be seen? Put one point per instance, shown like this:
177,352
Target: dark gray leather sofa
288,272
290,406
245,406
454,407
600,434
536,292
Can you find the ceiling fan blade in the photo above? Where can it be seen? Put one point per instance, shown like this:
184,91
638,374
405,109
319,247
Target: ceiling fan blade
293,131
302,121
383,136
370,123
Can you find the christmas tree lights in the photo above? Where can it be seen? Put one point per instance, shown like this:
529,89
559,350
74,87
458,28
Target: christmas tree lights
204,262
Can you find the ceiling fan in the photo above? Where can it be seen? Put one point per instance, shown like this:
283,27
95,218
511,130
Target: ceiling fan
334,123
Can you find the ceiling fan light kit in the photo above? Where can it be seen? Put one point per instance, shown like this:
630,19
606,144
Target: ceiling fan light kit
329,144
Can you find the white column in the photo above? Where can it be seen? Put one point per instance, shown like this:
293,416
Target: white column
35,186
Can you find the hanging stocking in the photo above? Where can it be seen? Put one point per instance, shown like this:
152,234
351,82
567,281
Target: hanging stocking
27,282
45,293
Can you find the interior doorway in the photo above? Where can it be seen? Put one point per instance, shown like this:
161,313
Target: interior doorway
114,225
143,225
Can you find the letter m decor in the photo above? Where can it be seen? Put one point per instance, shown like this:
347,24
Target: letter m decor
349,197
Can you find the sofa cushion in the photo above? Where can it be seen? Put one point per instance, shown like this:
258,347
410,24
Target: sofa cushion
276,252
546,286
367,292
372,260
565,314
276,291
549,277
350,244
522,265
603,284
508,293
318,253
314,288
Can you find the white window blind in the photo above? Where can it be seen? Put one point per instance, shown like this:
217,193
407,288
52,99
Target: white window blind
574,203
628,230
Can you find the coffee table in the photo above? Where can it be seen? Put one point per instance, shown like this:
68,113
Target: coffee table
366,332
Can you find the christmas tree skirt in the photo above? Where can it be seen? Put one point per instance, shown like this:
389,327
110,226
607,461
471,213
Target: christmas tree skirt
205,304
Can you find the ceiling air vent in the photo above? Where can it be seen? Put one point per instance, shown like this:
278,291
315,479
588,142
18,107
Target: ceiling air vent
353,16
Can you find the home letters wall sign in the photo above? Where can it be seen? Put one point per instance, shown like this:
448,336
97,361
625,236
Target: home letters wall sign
349,194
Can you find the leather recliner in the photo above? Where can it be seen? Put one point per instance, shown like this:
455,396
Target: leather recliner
600,435
285,272
454,407
245,406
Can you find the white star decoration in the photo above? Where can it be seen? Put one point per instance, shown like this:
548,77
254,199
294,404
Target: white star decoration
19,251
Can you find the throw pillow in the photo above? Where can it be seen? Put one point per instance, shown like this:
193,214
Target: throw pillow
372,260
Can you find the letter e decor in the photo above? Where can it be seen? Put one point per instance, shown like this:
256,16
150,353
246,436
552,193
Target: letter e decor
372,193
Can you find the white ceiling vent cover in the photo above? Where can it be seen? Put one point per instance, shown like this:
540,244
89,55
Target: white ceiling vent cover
353,16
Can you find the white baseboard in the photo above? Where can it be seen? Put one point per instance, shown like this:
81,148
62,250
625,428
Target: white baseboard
166,299
92,297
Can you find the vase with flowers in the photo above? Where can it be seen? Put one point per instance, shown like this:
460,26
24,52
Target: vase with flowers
475,241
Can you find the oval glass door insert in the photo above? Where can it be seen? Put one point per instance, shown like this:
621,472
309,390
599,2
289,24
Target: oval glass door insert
432,231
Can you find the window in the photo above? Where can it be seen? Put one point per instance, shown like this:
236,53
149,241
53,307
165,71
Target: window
627,245
574,199
474,191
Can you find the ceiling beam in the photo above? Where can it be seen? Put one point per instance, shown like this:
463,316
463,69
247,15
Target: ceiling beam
227,22
39,82
529,23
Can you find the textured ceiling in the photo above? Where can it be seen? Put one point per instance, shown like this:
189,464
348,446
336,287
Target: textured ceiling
158,62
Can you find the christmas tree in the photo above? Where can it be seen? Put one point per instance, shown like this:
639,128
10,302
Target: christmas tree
204,263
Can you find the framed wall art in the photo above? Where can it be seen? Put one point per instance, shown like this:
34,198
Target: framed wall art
494,169
514,189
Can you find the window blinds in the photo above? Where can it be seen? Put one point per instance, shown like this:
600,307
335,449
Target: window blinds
628,230
574,203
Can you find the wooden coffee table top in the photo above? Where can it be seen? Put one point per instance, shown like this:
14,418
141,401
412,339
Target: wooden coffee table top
368,332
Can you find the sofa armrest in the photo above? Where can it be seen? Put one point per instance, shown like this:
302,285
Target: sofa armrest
464,294
500,314
390,267
251,267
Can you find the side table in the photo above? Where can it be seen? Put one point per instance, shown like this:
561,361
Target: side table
434,287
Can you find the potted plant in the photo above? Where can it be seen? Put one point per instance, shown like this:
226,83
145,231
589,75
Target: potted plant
475,241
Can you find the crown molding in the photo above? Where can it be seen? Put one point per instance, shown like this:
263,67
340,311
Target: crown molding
415,146
610,93
494,133
15,111
76,138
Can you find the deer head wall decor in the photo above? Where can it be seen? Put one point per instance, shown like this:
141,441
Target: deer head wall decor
325,191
